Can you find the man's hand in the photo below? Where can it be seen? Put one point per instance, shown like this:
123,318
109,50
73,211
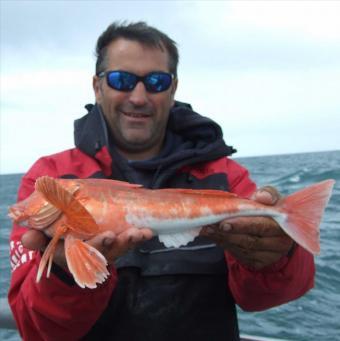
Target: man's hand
108,243
255,241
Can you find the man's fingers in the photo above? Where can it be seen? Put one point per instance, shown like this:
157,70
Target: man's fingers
102,241
108,243
127,240
256,260
133,236
147,233
267,195
254,243
34,240
258,226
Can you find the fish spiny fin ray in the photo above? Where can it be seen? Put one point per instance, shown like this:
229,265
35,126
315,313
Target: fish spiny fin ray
304,210
87,265
47,257
78,218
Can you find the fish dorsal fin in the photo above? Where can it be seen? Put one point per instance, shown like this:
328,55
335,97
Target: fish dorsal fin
123,184
78,218
213,192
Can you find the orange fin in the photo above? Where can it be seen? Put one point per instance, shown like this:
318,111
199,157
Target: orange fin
47,258
104,182
123,183
214,192
304,211
87,265
78,218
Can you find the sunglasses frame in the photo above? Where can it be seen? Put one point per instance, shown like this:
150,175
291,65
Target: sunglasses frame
142,79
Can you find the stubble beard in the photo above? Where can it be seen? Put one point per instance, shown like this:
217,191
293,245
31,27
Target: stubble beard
139,144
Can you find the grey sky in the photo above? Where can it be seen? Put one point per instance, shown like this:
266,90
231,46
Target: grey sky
268,72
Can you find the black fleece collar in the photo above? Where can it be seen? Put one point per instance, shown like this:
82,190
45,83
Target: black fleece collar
195,138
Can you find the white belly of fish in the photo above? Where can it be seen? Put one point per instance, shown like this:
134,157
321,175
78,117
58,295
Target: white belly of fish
180,231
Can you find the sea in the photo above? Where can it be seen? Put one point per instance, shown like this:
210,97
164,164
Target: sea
316,315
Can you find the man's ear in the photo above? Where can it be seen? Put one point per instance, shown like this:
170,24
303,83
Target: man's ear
173,90
97,88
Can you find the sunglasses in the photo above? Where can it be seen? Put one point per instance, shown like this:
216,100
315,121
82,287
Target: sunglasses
154,82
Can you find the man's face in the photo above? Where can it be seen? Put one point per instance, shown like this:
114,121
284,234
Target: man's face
137,119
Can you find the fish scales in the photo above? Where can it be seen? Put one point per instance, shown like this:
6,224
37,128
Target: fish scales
78,209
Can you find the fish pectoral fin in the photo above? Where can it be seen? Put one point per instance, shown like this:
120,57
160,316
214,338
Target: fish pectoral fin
180,238
78,218
47,257
87,265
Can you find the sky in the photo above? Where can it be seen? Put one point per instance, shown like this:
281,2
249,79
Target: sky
267,71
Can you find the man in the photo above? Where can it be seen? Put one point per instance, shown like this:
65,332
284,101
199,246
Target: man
137,132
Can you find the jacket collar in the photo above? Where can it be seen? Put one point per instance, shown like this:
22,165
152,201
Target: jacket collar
205,135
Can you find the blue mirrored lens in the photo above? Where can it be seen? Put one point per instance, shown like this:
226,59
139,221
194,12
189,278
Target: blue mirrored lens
120,80
157,81
126,81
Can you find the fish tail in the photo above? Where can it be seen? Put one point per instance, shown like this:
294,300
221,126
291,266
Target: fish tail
47,257
78,218
87,265
304,210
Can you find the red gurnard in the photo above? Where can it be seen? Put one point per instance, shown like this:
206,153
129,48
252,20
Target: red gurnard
77,210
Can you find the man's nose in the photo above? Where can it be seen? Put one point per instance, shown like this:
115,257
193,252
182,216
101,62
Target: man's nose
139,96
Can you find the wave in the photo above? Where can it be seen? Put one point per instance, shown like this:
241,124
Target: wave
305,176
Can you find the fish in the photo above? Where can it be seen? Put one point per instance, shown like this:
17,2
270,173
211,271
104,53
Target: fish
78,209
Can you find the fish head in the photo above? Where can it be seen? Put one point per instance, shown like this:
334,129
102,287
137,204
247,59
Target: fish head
34,212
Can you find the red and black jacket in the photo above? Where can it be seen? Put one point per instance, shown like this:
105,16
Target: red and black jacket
153,293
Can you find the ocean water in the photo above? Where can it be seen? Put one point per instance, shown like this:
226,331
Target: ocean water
315,316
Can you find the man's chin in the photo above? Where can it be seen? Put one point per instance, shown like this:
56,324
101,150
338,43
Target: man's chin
136,144
137,141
